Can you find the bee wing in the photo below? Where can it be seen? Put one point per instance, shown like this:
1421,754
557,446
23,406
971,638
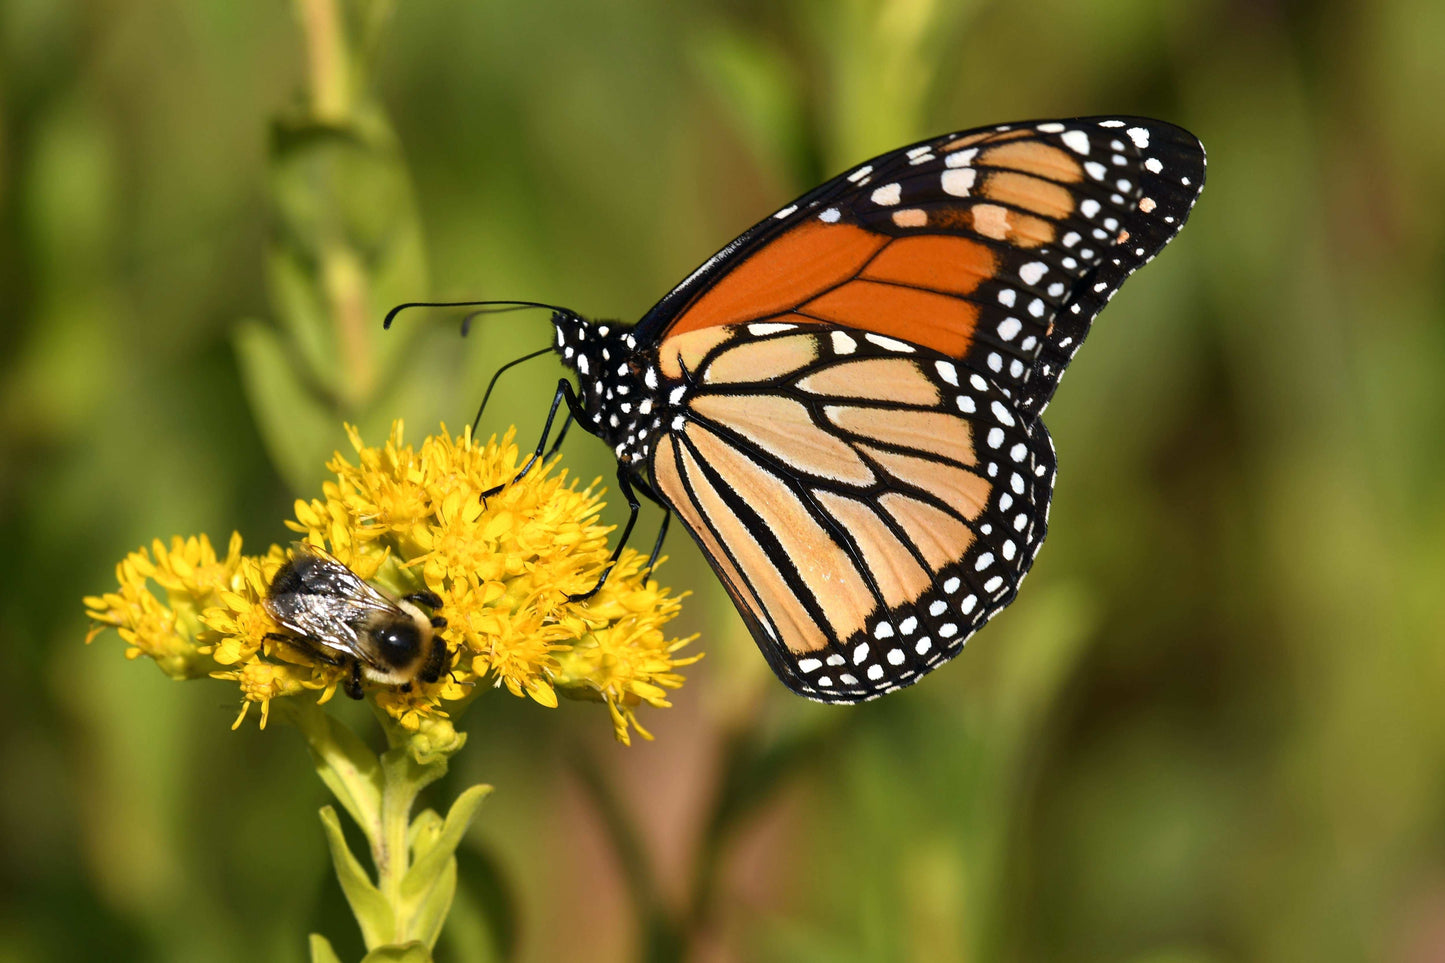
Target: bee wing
326,575
320,618
328,602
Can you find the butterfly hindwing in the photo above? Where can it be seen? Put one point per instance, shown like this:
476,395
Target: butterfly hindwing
868,504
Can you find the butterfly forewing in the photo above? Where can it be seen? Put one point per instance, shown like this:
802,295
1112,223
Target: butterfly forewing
995,247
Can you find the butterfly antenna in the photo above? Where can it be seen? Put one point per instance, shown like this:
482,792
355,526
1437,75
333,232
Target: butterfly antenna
476,422
483,308
486,306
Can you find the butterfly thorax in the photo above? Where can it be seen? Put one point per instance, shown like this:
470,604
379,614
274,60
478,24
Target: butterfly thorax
618,384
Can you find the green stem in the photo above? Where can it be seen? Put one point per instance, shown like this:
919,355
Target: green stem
389,851
328,67
407,900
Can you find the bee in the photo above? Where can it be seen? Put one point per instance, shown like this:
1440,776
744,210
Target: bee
337,618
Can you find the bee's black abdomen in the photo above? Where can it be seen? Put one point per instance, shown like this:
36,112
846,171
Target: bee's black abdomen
288,580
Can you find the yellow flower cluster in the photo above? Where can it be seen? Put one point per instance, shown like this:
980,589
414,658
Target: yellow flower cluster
410,518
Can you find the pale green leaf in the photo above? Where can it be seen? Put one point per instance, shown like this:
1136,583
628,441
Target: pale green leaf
373,914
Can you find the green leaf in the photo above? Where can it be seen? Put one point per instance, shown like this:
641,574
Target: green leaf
431,882
321,951
424,832
368,905
344,762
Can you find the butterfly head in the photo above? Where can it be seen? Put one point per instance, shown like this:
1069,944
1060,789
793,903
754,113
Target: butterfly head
618,398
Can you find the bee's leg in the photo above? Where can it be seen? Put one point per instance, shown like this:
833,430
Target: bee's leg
306,645
352,685
437,622
430,599
438,659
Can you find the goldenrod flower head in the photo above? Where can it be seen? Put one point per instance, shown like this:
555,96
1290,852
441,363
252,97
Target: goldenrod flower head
409,519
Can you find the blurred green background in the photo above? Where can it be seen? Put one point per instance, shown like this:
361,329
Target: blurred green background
1211,727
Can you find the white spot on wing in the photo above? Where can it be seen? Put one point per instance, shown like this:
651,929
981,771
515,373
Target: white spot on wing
958,182
889,343
887,195
1076,140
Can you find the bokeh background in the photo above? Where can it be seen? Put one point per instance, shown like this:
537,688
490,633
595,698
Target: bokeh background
1210,729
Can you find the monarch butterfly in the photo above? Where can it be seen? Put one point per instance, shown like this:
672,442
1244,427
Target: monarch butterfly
842,405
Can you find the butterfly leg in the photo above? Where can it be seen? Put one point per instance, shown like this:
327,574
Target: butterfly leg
661,536
645,489
574,410
633,507
566,423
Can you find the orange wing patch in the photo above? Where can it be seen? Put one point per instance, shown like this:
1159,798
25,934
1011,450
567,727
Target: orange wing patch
1000,223
962,490
821,564
938,262
909,288
1033,157
761,360
896,379
782,425
688,350
937,321
939,537
784,273
1033,194
669,482
934,432
898,575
